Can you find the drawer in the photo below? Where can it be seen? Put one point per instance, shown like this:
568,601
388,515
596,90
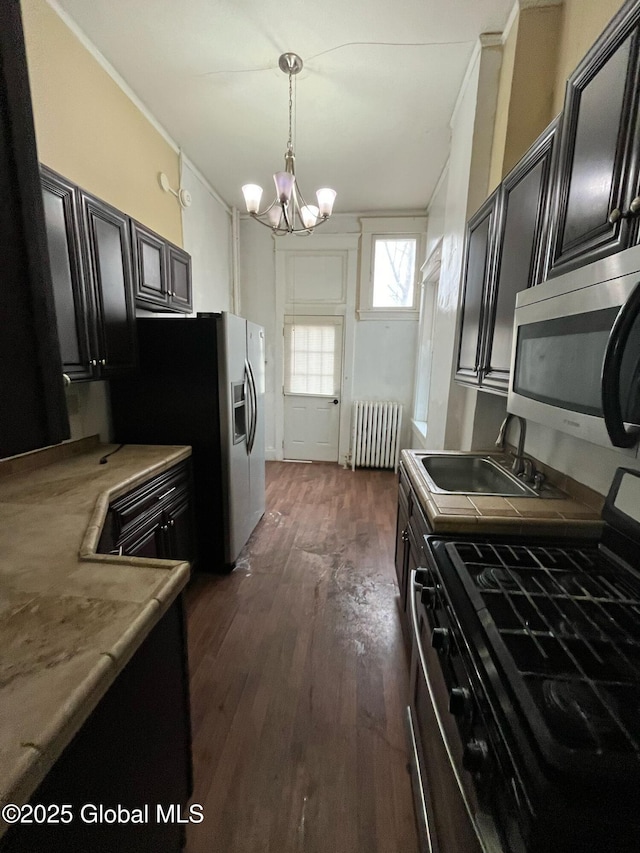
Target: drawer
159,493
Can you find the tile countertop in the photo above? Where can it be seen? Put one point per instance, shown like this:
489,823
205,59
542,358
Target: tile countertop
70,619
561,516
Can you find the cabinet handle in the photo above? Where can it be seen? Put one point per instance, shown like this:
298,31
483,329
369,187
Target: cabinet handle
172,489
634,210
172,522
405,535
66,379
103,362
93,363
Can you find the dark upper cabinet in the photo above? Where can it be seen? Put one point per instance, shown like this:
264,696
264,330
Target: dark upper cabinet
477,270
161,272
505,252
180,290
149,267
108,271
73,310
521,239
596,202
33,410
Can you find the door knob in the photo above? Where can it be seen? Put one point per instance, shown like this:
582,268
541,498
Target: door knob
634,207
615,215
335,402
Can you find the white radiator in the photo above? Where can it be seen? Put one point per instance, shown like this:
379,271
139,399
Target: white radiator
375,434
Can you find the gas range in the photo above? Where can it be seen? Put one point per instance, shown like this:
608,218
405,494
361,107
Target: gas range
538,647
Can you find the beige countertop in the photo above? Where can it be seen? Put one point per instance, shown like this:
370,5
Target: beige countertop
559,516
70,618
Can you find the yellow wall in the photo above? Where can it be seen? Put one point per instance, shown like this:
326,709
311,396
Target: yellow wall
502,107
582,23
527,83
90,131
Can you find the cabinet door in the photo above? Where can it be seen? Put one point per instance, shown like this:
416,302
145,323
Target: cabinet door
402,547
33,410
180,537
478,268
147,540
108,257
180,291
597,174
72,308
149,268
522,230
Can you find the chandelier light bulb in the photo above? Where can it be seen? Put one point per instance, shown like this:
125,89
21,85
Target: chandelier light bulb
309,215
252,194
275,214
326,196
284,186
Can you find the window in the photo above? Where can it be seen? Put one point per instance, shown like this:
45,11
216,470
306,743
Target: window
390,249
394,272
312,349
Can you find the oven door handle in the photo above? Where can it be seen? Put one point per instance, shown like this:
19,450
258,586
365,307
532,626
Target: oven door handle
415,587
618,337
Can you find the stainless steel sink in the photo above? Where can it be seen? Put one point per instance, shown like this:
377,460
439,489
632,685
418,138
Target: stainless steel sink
467,474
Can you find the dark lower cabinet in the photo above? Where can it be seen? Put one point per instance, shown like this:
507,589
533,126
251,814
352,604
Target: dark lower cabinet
33,410
411,528
597,201
108,270
153,520
133,751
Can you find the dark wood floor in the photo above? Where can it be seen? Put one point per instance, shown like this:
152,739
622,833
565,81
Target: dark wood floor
299,676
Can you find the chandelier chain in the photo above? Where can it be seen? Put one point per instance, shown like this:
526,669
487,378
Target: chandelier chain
290,146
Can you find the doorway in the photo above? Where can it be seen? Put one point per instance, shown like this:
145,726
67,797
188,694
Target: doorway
313,354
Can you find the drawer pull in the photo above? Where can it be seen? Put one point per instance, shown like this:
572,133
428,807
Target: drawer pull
168,492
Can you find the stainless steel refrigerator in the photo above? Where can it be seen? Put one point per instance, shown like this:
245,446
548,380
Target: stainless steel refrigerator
201,382
241,359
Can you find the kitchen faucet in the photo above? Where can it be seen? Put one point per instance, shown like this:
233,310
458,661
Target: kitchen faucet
522,466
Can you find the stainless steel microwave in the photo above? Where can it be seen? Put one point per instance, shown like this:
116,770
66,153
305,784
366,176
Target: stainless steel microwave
575,362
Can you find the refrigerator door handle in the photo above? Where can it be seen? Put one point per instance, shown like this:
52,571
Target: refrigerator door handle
251,406
254,406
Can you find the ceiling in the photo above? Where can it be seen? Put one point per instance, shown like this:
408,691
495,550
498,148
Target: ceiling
374,98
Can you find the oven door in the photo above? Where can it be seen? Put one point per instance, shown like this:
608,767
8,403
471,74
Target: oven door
576,358
444,800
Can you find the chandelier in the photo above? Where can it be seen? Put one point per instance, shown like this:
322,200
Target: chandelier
289,213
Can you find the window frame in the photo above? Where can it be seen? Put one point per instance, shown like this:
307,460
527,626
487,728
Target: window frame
397,228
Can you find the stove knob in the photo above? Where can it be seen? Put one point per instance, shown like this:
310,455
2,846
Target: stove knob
475,755
459,701
440,639
423,576
428,597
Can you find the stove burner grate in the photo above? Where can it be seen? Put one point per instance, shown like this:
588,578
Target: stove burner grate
565,618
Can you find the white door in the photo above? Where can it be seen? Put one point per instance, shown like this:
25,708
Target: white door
312,375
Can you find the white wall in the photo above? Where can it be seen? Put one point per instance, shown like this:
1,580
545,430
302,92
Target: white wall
384,350
384,365
451,409
206,229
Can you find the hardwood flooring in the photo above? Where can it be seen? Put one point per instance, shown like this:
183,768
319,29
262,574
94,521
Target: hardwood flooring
299,676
